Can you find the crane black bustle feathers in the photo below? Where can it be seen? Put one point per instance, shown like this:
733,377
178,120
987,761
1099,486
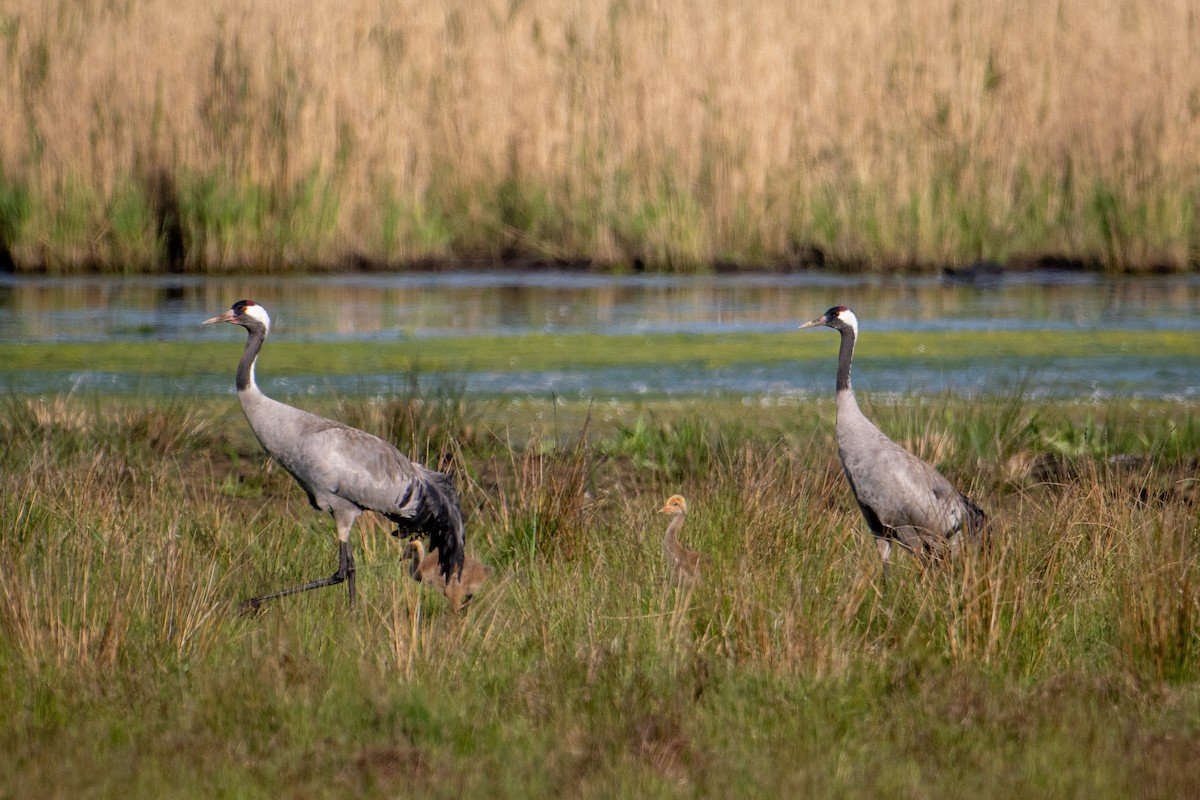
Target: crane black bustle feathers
902,499
343,470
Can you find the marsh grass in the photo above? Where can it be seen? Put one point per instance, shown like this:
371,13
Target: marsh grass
1062,662
894,135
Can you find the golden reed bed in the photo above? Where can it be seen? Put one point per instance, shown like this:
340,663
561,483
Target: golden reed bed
675,132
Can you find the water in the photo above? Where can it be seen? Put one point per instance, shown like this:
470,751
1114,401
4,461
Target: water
391,307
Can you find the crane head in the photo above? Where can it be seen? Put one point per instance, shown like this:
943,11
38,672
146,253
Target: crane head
839,318
246,313
675,505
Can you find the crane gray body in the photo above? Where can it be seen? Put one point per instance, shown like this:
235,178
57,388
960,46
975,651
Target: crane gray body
344,471
902,498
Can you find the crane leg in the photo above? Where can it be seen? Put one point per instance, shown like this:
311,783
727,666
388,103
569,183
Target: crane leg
346,567
885,553
345,572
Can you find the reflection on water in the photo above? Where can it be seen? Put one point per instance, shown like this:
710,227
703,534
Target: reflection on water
395,306
1066,378
400,305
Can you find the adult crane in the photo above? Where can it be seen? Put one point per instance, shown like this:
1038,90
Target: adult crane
343,470
903,499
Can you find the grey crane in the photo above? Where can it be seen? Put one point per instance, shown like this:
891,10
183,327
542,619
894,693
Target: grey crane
903,499
343,470
684,562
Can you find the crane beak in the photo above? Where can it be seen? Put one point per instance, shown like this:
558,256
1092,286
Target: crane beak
226,317
814,323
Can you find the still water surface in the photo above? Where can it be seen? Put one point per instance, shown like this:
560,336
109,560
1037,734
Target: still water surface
390,307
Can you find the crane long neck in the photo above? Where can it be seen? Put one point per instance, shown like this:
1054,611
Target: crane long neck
245,371
845,356
673,529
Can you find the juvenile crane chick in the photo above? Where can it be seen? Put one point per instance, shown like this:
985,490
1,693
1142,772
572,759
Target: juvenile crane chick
683,561
460,588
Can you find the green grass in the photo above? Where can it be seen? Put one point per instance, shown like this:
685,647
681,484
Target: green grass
232,224
1064,665
549,351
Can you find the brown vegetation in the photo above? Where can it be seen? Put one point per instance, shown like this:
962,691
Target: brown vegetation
207,135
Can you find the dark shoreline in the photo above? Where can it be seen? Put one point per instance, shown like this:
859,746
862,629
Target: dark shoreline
811,261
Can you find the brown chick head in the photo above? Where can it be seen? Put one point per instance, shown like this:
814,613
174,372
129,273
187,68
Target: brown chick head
675,505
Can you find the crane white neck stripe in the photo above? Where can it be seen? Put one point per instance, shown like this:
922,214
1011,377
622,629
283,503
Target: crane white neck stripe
847,316
260,314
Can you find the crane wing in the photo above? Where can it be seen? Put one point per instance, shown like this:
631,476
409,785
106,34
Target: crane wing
334,462
900,489
415,497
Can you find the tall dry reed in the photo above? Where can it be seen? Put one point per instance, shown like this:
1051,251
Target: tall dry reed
218,134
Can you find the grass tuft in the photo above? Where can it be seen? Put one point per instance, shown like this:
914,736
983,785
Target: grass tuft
1066,657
